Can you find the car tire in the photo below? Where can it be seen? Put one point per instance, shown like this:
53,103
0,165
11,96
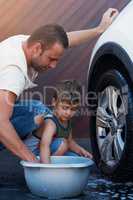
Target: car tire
112,126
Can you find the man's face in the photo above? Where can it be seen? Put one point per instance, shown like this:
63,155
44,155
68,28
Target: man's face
47,58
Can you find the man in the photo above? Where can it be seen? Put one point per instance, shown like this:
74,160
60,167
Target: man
21,58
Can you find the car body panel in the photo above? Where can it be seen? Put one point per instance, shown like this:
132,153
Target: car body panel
119,34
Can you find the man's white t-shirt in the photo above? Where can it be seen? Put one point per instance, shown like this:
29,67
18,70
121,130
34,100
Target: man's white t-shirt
14,74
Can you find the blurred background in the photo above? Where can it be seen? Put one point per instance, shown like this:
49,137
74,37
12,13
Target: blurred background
24,16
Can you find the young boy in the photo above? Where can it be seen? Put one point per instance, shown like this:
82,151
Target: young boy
56,138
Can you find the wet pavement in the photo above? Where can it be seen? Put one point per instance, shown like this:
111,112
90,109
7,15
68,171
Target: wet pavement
96,189
13,186
99,188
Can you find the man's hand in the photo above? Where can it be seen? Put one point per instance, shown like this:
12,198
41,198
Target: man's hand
107,19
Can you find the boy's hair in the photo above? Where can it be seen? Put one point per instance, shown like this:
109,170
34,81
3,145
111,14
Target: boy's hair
69,91
48,35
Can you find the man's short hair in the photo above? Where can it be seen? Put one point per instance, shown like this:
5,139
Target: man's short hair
69,91
48,35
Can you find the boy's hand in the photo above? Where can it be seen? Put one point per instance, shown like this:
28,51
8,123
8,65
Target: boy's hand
86,154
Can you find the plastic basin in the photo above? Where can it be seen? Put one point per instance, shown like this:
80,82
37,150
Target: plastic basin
66,176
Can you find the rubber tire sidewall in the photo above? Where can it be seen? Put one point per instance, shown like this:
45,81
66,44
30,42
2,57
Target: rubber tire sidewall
116,79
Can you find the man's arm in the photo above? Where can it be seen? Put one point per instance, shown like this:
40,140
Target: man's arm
8,135
78,37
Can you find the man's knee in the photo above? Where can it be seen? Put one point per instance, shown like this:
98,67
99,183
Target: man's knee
39,108
39,120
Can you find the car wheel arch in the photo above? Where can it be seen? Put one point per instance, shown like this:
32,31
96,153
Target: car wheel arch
110,54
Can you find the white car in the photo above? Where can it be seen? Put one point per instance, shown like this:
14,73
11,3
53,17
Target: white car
110,83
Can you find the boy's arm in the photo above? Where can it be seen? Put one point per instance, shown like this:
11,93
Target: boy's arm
73,146
47,136
78,37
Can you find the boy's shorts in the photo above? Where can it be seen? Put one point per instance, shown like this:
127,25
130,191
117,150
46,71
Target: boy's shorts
23,117
33,142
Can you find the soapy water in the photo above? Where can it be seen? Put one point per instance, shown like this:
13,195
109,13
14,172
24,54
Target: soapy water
96,189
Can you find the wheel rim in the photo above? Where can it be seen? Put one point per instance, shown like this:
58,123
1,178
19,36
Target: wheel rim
110,125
